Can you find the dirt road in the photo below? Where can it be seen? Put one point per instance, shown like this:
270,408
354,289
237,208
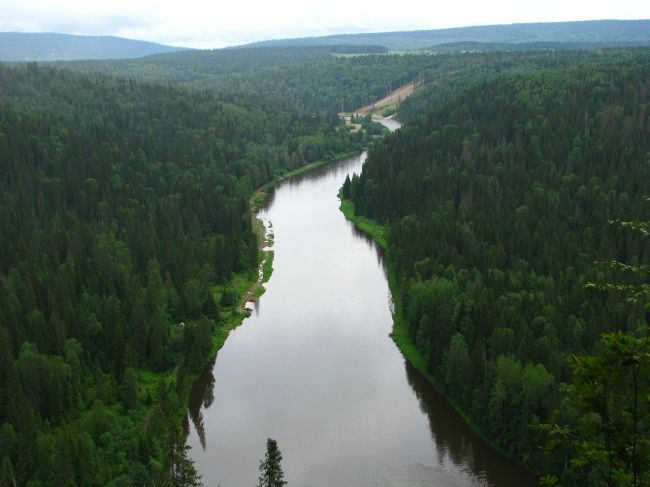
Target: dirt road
394,97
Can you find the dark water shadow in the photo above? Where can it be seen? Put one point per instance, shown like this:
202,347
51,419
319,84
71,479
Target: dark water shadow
453,437
201,396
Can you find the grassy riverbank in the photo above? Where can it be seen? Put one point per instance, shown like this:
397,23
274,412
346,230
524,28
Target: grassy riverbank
261,194
243,285
250,284
370,227
400,332
177,380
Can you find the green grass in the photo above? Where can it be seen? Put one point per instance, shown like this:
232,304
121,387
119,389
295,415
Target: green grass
370,227
268,266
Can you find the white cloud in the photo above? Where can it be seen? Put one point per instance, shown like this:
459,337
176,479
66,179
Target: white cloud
202,23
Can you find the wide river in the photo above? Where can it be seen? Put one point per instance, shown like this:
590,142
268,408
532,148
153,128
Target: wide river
314,368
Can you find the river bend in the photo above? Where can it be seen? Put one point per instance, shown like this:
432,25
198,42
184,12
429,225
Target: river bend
314,367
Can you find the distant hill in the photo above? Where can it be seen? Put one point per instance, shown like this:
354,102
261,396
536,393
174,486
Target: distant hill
202,64
473,46
19,46
609,32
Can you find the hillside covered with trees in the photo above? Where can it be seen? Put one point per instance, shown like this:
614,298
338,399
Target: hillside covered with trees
497,205
46,46
322,79
586,33
124,219
122,205
319,78
452,73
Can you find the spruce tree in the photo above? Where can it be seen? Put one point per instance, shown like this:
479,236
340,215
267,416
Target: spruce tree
179,470
271,474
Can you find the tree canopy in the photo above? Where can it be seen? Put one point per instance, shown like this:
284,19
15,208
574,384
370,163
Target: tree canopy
122,205
497,205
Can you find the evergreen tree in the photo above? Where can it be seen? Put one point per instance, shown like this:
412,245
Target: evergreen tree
271,474
121,205
179,470
611,391
495,207
7,476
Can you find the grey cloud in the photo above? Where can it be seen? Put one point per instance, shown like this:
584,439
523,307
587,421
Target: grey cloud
84,23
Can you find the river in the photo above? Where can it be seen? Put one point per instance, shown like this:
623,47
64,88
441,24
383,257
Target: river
314,368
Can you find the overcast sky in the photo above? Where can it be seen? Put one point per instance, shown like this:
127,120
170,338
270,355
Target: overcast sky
219,23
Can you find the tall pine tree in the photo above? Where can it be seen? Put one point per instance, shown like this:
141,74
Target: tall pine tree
271,474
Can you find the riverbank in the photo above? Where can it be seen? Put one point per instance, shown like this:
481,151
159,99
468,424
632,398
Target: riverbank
244,286
400,332
261,194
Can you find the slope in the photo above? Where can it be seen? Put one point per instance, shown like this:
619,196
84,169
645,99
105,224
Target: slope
125,226
23,46
497,205
594,31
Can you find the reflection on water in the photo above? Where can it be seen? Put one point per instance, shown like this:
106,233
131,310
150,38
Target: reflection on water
454,439
314,368
201,396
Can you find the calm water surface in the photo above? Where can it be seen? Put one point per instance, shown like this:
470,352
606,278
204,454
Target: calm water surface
314,368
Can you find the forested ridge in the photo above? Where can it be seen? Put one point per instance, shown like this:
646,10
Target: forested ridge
452,73
195,65
23,46
497,205
319,78
122,204
584,32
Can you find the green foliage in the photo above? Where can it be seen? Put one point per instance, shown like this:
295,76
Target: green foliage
122,204
288,77
598,31
271,474
206,65
369,126
454,72
313,79
178,469
611,393
496,206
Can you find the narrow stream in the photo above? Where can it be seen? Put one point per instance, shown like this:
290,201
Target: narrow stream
314,368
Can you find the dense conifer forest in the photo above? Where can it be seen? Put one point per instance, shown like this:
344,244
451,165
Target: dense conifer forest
453,72
320,78
587,33
125,220
121,205
498,203
333,79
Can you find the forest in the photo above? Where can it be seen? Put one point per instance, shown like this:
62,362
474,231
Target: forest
454,72
319,78
125,193
586,33
194,65
499,204
23,46
324,79
123,204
